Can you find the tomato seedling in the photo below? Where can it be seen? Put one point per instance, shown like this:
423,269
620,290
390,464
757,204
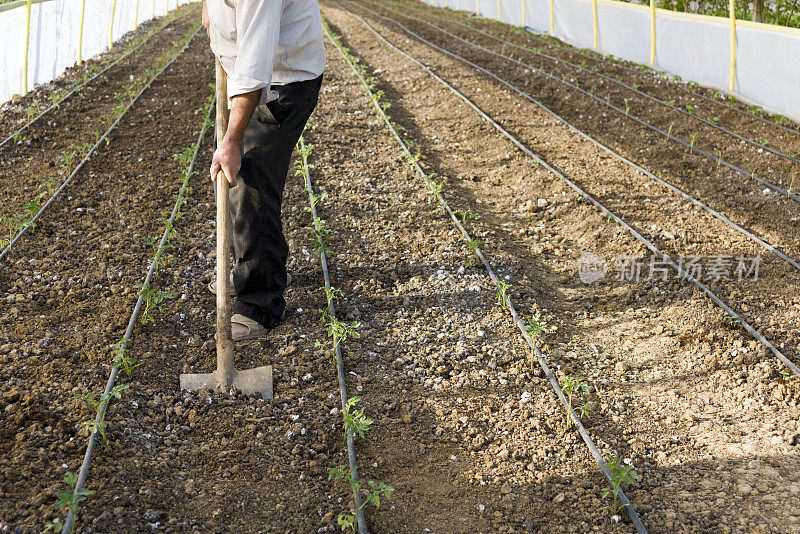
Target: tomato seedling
620,474
571,386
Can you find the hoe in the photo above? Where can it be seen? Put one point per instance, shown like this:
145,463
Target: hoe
250,381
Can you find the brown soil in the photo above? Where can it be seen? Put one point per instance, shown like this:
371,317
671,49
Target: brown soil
38,156
469,434
673,378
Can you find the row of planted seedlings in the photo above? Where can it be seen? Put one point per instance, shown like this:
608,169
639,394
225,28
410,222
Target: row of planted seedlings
355,423
790,375
655,177
33,111
151,300
683,274
14,226
691,144
689,110
717,97
568,389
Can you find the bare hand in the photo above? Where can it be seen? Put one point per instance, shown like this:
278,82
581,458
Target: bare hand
206,19
228,158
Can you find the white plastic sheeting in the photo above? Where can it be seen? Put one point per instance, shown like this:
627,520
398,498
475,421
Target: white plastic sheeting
511,12
624,32
461,5
573,22
696,48
767,68
537,15
53,42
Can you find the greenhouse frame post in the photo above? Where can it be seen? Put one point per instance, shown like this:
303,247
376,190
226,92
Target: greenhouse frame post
732,12
25,47
80,33
499,12
153,14
111,24
653,32
523,14
136,16
552,17
594,22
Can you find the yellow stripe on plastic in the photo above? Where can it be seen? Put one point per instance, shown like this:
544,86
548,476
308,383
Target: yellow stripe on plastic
111,24
732,11
499,13
623,4
25,47
594,21
768,27
80,33
552,17
652,32
695,16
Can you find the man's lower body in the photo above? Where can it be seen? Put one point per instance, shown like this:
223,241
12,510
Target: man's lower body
259,246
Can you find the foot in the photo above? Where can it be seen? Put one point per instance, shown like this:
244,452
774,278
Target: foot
238,330
243,327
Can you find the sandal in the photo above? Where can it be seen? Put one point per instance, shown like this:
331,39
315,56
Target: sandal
212,285
254,328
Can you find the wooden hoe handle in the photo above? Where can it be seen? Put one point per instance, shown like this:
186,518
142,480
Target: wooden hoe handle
225,368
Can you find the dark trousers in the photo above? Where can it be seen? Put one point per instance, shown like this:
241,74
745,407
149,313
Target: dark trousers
259,246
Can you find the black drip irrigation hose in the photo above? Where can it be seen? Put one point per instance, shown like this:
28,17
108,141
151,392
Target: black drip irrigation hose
607,78
587,137
323,260
644,70
646,124
32,223
665,258
541,358
87,458
82,85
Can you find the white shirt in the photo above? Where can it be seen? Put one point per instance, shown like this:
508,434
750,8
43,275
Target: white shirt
266,42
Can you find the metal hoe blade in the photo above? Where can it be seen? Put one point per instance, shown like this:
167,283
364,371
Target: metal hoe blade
249,382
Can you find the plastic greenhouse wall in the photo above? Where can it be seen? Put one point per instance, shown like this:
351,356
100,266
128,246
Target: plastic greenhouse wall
54,35
695,47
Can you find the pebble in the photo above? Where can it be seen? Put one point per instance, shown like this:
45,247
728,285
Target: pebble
152,516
